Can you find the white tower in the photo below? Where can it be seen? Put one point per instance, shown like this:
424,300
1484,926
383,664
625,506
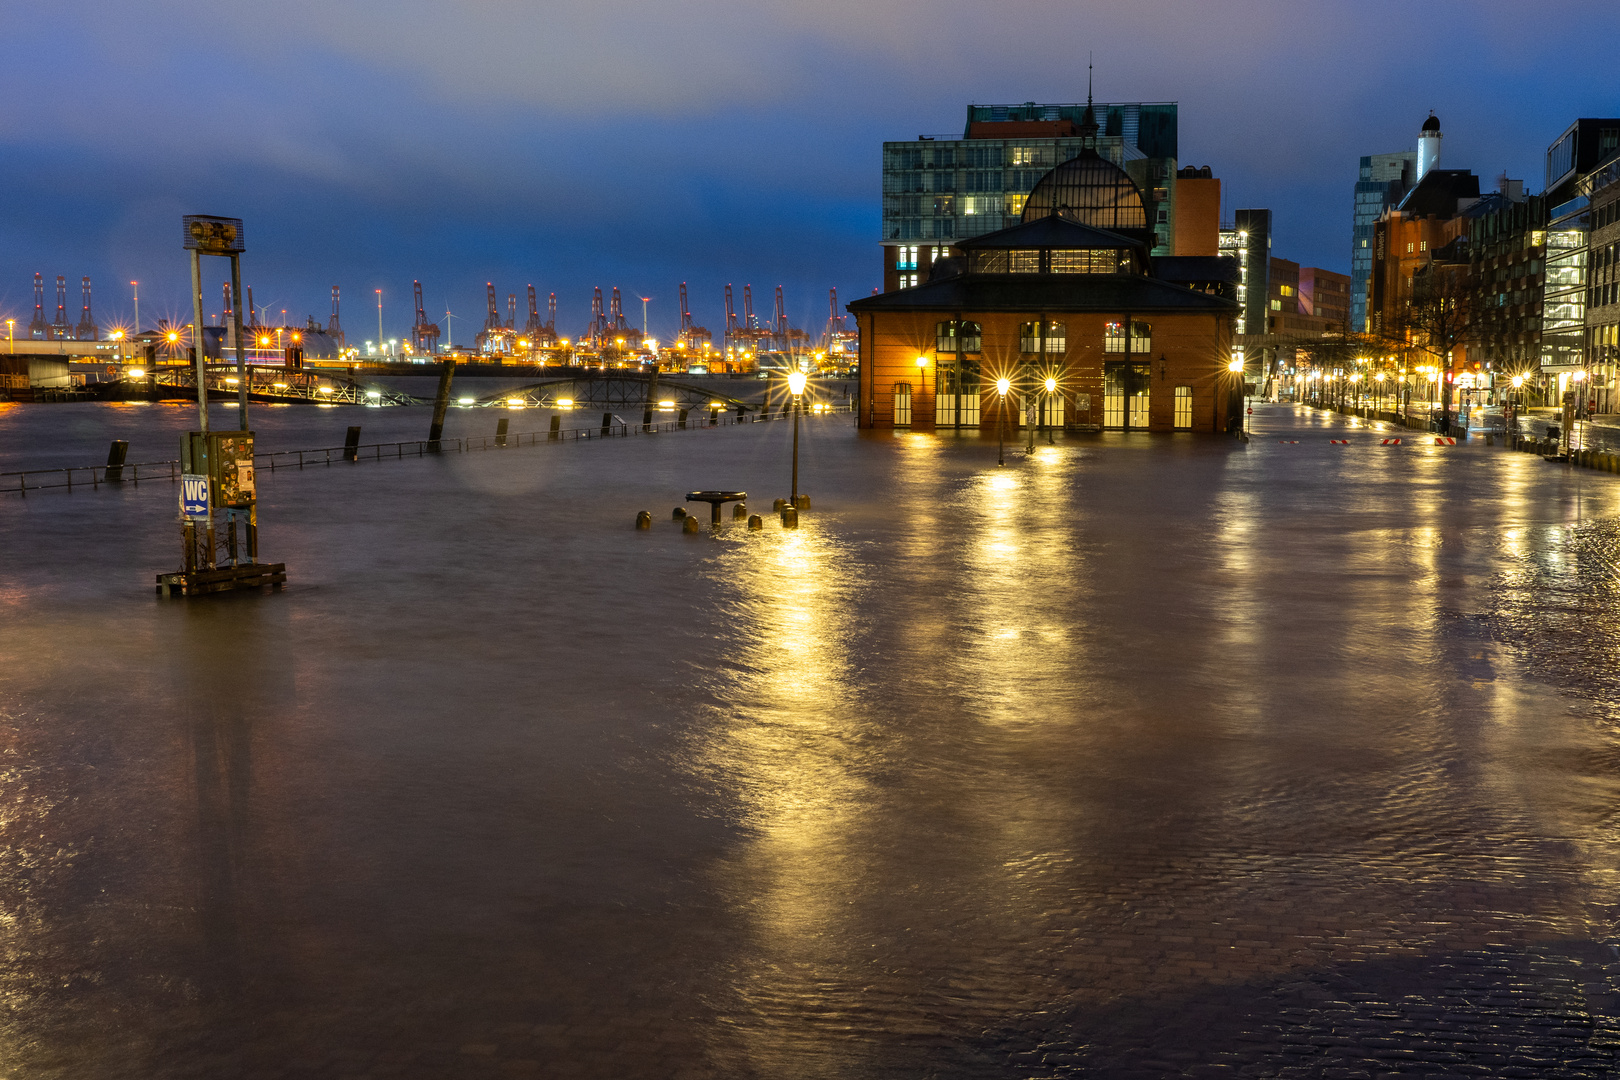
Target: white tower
1428,145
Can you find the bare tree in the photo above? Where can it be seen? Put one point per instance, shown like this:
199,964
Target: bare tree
1437,320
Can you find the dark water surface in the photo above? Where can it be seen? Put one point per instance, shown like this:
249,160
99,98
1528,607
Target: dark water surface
1142,756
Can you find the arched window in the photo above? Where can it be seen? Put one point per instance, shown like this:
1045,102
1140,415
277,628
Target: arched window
1114,337
1056,337
950,337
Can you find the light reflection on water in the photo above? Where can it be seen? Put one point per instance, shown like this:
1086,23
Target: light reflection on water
972,743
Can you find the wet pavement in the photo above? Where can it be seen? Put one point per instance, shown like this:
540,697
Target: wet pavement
1143,756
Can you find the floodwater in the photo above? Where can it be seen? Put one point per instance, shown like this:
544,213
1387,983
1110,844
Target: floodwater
1140,756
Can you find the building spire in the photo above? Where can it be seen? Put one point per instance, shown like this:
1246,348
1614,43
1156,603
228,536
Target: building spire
1088,121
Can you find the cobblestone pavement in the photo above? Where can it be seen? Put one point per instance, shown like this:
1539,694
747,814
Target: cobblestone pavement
1138,758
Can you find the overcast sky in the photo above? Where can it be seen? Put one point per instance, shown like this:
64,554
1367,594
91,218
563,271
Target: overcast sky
572,144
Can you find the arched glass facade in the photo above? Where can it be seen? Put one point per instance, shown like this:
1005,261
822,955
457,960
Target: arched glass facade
1091,191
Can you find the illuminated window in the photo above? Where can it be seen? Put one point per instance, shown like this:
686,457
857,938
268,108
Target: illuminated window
947,335
1423,245
1183,408
1276,305
1015,204
1024,262
902,404
1087,262
1409,249
1114,337
1030,339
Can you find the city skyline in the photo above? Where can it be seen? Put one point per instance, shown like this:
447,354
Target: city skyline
708,143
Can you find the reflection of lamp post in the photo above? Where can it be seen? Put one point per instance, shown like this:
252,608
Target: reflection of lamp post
796,388
1051,388
1002,386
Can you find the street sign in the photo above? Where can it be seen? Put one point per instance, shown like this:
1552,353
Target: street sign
194,496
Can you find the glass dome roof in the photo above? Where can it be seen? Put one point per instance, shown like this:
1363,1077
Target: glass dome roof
1089,190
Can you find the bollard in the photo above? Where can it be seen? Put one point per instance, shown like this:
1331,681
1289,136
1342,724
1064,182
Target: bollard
644,520
556,428
690,526
1490,439
779,505
756,522
679,512
683,419
351,445
790,518
739,511
115,461
801,502
501,427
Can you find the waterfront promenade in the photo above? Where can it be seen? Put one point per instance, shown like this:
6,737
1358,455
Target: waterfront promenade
1144,756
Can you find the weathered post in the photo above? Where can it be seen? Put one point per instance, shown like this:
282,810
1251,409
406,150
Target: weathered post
501,427
556,428
652,398
607,424
683,420
447,371
351,445
115,461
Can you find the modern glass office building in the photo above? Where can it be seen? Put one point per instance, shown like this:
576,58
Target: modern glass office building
940,189
1384,180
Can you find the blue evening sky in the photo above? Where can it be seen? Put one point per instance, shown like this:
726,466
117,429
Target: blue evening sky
571,144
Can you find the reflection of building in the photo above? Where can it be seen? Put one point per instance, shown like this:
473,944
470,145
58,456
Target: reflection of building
940,190
1071,293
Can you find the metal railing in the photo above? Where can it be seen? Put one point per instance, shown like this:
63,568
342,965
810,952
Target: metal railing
95,476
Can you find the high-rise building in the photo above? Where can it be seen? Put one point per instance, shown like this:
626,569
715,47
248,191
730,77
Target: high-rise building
1383,181
940,189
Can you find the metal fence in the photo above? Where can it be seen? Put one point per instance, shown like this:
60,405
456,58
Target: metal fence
95,476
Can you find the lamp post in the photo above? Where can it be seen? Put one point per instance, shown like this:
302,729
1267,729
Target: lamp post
379,320
796,388
1002,386
11,338
1235,366
1051,388
922,377
136,286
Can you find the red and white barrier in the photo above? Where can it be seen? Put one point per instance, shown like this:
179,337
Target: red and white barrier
1389,442
1340,442
1444,440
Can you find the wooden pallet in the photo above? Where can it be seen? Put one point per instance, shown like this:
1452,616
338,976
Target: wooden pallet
224,579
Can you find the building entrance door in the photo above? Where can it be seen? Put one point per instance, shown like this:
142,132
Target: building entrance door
1125,396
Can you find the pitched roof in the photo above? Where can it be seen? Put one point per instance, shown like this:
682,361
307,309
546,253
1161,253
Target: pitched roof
1050,232
1045,293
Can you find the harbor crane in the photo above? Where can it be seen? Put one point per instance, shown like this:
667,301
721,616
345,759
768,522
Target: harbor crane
424,335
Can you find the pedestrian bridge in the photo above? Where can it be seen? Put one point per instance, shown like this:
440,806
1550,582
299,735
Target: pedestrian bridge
609,390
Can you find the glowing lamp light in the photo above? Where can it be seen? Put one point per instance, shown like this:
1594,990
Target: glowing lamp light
1579,376
232,382
323,389
1235,366
1002,386
173,337
796,383
137,373
1051,384
464,401
515,402
373,394
565,403
669,404
1518,381
922,362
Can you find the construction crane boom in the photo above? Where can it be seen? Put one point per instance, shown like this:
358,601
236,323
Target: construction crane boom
424,334
59,328
38,328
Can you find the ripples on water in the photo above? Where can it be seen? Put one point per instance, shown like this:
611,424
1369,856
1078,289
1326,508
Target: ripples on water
1140,754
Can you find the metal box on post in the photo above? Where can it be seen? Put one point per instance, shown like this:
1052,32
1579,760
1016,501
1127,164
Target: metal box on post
226,459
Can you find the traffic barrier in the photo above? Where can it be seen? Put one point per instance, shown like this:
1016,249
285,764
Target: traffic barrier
1340,442
1289,442
1389,442
1444,440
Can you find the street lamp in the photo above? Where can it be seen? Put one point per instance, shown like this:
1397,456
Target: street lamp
1235,366
1051,388
1002,386
796,388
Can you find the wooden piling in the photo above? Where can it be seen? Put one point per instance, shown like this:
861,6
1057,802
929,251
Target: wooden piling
115,461
441,403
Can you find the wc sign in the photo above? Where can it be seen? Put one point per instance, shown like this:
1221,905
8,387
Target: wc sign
193,496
